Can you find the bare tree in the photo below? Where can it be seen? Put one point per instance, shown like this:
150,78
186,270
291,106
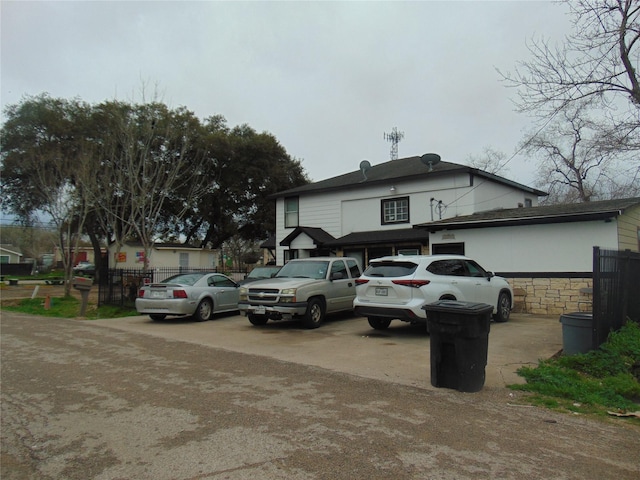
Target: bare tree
598,61
490,160
148,158
64,204
574,166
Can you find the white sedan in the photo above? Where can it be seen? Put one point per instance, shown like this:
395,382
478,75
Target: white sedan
198,294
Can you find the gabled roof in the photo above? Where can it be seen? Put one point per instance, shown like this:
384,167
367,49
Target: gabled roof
571,212
318,235
167,245
7,247
269,243
381,236
396,170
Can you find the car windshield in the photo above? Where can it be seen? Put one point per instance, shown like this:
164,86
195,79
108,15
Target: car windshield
390,269
184,278
264,272
306,269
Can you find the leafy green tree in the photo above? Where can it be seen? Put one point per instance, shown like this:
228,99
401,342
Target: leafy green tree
243,169
120,172
45,156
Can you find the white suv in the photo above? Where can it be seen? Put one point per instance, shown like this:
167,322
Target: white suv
397,287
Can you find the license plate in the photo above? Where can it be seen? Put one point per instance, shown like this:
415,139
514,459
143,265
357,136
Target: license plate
381,291
157,294
260,310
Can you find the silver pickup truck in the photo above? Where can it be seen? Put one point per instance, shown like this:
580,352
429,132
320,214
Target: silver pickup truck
305,288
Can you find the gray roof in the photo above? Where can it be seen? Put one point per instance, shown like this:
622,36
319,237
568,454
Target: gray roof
381,236
396,170
563,213
11,248
318,235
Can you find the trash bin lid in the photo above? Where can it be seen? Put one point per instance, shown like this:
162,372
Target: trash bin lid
463,308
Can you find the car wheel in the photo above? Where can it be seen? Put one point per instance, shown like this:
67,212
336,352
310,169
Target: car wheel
315,313
379,323
258,319
204,310
157,317
504,308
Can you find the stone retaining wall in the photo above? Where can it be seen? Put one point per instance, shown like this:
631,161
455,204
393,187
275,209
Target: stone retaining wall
549,296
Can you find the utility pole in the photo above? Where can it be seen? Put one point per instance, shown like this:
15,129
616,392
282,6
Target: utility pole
394,137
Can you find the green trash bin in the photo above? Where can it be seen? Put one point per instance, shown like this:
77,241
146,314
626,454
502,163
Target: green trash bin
459,341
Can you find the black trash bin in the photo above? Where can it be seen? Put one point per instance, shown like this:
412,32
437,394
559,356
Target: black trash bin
459,333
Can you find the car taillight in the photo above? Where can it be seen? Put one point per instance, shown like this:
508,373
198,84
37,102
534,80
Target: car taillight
180,294
412,283
140,293
361,281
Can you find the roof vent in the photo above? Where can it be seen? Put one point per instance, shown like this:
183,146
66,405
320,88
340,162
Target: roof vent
364,166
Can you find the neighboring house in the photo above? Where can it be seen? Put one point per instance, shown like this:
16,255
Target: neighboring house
12,261
163,255
10,254
82,254
371,212
546,252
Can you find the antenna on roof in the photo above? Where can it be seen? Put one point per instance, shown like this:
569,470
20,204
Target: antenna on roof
364,166
394,137
430,159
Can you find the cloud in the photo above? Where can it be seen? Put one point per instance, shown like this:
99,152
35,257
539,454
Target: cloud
328,79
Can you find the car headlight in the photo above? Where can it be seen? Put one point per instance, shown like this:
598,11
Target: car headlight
243,293
288,295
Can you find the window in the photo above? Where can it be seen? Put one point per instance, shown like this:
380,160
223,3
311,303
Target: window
448,267
391,269
528,202
291,212
447,249
4,258
354,269
338,266
219,281
408,251
183,259
475,270
395,210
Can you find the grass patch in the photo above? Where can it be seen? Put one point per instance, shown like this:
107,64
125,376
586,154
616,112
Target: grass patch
66,307
602,380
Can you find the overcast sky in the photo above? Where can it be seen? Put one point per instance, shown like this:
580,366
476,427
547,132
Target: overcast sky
327,79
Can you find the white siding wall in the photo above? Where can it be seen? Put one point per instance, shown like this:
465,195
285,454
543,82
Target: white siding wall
498,196
534,248
358,209
164,258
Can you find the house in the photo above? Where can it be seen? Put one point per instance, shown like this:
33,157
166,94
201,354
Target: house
409,206
371,211
546,252
10,254
12,262
163,255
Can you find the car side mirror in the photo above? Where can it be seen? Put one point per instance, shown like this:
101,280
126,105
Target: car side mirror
490,275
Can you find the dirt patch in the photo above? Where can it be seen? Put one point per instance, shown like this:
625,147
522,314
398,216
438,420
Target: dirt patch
11,294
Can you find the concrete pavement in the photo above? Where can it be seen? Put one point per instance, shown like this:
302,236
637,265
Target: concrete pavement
348,344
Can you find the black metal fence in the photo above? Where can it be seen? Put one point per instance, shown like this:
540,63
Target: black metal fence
616,291
119,286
